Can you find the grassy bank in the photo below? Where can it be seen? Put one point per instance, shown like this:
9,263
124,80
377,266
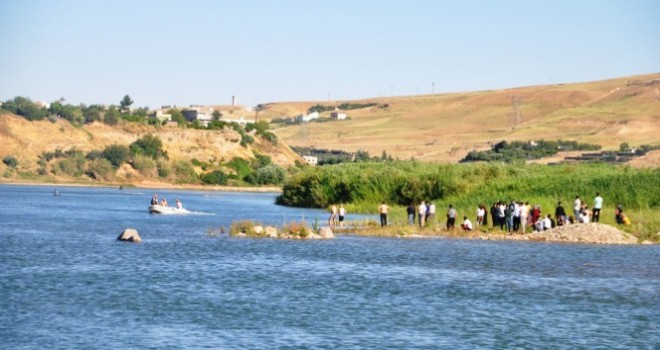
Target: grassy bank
363,186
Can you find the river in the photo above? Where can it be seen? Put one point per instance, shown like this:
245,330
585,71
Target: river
68,284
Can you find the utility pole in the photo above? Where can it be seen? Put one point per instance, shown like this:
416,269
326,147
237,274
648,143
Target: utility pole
432,88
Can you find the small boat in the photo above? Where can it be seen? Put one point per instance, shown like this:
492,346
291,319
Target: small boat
161,209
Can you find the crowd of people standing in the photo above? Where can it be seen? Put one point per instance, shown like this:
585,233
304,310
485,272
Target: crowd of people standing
514,216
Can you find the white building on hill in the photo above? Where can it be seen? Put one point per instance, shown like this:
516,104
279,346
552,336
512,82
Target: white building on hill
311,116
311,160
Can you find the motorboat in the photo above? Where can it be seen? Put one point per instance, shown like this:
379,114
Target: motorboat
161,209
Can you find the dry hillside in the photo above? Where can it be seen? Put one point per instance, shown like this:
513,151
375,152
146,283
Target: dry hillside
27,140
445,127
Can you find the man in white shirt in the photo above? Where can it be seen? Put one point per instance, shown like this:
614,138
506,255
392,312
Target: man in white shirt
421,210
598,204
430,214
547,223
467,224
577,206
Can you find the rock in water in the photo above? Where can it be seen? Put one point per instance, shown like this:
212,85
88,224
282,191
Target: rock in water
129,235
326,233
271,232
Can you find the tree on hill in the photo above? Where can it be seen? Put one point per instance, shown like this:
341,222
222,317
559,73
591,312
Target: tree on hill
125,104
111,116
116,154
150,146
25,107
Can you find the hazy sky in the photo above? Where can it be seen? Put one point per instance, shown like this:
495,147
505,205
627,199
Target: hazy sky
203,52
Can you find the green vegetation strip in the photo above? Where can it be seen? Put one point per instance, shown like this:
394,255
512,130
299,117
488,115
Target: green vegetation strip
362,186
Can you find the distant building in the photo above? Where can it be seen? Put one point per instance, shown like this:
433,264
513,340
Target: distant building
189,114
311,116
311,160
241,121
337,114
162,116
43,104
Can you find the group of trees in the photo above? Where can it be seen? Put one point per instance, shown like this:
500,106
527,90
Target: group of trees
334,156
76,115
526,150
258,171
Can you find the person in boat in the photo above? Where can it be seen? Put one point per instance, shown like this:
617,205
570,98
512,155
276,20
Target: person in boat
154,200
164,202
179,205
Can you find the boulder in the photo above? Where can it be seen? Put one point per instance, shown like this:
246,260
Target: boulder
258,230
271,232
326,233
313,236
129,235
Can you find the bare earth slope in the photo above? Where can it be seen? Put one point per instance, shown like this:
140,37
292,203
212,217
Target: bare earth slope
27,140
445,127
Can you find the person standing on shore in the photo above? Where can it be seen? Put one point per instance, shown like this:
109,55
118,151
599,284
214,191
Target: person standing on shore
577,207
411,214
480,215
598,204
494,214
342,215
332,220
560,214
524,216
451,218
430,217
382,210
421,211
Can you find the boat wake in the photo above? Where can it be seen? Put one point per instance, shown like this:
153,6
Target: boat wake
186,212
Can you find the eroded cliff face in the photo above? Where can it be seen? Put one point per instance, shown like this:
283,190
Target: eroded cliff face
27,140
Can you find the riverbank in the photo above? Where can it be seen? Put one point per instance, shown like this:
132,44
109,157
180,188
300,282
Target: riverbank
143,184
593,233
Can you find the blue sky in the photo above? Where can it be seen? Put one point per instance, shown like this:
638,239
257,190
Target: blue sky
203,52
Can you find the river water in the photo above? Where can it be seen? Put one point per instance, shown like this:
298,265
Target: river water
68,284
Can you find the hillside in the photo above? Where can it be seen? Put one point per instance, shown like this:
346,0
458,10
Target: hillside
445,127
27,140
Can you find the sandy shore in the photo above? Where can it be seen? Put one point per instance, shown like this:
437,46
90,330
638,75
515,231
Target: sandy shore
593,233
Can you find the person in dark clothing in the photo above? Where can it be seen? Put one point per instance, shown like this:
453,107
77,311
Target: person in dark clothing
618,214
560,214
494,214
411,214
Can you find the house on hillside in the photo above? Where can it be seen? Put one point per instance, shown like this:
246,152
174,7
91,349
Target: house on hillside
311,160
337,114
310,116
241,121
162,116
204,115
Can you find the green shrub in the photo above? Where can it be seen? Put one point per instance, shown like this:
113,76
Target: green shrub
145,165
71,166
116,154
150,146
240,166
100,169
269,175
184,172
216,177
10,161
244,226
